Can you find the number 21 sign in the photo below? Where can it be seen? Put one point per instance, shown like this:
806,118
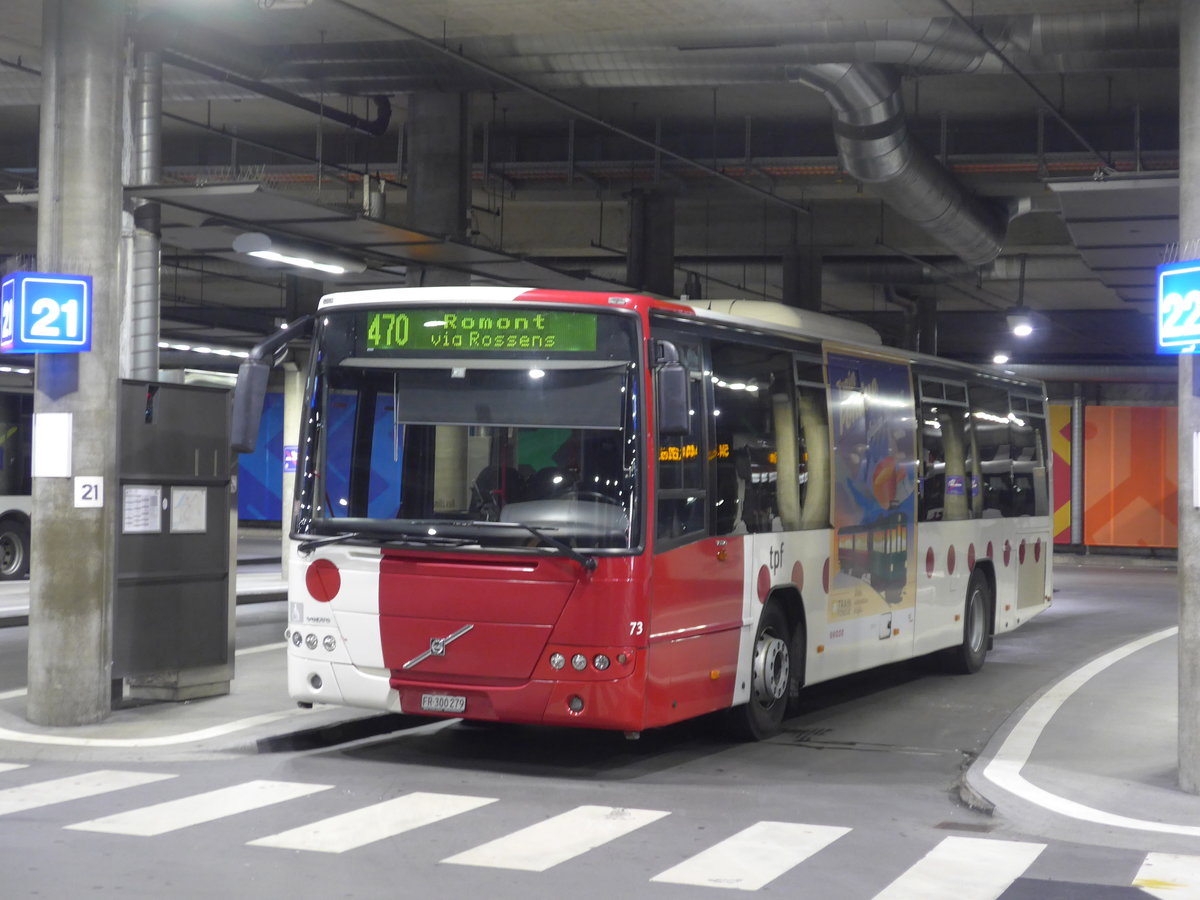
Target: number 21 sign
45,313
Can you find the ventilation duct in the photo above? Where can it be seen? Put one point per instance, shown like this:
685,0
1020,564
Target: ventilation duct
876,148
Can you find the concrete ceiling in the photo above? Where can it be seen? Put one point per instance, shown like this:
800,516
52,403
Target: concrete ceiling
1056,120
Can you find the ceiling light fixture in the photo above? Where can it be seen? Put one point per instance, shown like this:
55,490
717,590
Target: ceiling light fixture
1020,321
1000,358
1020,317
263,246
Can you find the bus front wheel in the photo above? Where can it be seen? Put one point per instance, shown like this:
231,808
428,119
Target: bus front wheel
967,658
770,672
14,548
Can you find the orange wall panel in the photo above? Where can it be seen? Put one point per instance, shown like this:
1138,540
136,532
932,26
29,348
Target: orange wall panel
1130,476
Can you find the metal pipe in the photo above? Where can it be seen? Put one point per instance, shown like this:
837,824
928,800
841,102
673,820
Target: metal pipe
147,217
375,127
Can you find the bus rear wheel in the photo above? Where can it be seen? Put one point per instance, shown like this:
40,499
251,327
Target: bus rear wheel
14,548
968,657
770,673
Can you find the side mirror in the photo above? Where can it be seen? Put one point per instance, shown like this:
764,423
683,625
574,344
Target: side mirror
671,382
248,397
251,388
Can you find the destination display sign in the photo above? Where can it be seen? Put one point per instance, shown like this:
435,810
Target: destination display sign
480,329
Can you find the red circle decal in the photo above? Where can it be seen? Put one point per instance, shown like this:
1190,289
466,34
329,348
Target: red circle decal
764,584
1007,553
1037,550
798,575
929,562
971,557
825,576
323,580
1021,552
950,560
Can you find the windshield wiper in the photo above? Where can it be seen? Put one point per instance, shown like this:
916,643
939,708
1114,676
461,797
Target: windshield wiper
313,543
588,562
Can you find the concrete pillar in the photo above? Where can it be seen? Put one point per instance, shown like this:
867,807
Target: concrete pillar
1189,410
439,180
1077,463
73,579
650,264
802,279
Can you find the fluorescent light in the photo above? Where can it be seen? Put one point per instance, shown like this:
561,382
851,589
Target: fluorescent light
299,262
263,246
1000,358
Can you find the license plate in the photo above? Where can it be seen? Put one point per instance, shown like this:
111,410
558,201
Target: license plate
443,703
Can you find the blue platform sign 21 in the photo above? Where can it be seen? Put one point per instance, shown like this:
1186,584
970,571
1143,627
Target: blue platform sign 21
1179,307
41,312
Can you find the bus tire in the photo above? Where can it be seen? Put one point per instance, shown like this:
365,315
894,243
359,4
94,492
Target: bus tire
797,655
968,657
770,672
14,548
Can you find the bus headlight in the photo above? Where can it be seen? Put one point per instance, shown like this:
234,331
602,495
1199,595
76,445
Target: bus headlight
557,660
578,662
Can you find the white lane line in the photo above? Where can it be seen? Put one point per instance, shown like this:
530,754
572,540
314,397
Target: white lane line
360,827
962,868
1005,768
170,740
73,787
753,857
548,843
1170,875
203,734
8,767
199,808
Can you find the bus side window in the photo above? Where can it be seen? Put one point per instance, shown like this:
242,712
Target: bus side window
813,477
1029,461
750,384
681,495
944,452
990,427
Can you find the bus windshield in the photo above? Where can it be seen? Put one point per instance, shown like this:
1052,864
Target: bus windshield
407,436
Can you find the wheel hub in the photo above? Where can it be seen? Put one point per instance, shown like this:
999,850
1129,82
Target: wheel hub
771,669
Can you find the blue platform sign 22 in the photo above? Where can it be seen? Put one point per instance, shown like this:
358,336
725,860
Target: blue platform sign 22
41,312
1179,307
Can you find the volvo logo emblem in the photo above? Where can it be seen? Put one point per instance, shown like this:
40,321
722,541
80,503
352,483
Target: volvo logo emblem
437,647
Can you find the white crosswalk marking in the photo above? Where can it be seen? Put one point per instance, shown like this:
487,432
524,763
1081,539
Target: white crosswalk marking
8,767
753,857
548,843
373,823
1170,875
199,808
964,869
73,787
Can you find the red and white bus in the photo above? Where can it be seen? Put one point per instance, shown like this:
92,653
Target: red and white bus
619,512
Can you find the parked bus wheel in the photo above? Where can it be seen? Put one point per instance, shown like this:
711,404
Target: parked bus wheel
968,656
770,672
14,548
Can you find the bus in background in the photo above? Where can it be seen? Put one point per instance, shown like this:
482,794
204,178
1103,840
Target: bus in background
619,512
16,502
